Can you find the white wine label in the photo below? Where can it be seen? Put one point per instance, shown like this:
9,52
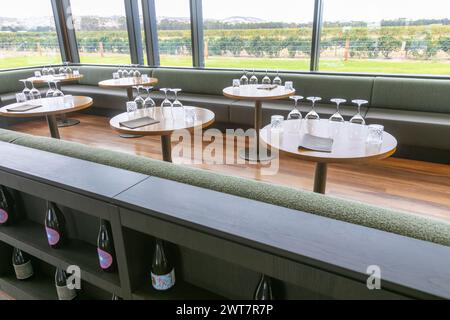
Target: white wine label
52,236
24,271
3,216
65,293
165,282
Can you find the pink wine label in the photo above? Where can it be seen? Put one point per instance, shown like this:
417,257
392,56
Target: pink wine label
106,260
164,282
3,216
52,236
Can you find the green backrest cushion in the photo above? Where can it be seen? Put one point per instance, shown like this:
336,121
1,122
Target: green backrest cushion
425,95
353,212
210,82
9,80
329,87
94,74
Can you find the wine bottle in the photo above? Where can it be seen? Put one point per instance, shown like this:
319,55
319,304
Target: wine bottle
163,273
63,291
54,226
264,289
22,265
116,298
105,248
7,207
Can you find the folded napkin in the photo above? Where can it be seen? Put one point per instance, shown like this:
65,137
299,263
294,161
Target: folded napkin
139,123
314,143
24,108
267,87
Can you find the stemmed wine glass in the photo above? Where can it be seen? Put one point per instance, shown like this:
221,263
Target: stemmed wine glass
266,80
295,114
313,115
26,91
35,93
136,73
50,91
126,73
140,102
337,117
57,92
177,103
45,71
254,79
149,103
51,71
358,118
277,81
120,71
244,79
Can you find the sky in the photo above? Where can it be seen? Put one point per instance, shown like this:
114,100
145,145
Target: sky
270,10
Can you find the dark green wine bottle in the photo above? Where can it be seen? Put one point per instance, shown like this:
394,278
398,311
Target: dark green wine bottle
22,265
7,207
264,289
163,272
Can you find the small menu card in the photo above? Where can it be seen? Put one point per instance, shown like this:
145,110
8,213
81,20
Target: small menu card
139,123
24,108
315,143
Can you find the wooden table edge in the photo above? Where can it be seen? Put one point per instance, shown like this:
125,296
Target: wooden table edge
51,113
231,96
101,84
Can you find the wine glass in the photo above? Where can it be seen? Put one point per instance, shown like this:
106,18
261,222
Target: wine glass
126,73
177,103
57,92
266,80
166,103
358,118
244,79
51,71
149,103
62,69
69,70
120,72
50,91
313,115
35,93
254,79
136,72
45,71
337,117
139,100
26,91
277,81
295,114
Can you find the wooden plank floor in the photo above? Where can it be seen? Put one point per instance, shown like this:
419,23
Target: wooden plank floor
416,187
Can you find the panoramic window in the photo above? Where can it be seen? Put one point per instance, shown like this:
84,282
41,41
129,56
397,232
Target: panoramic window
258,34
174,32
101,31
386,36
27,34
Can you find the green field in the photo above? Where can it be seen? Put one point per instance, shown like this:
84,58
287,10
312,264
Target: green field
355,65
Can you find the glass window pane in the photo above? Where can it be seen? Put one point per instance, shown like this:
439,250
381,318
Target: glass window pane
386,36
101,29
174,32
258,34
27,34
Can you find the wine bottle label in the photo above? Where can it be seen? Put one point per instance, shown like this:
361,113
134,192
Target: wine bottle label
164,282
24,271
106,259
52,236
65,293
3,216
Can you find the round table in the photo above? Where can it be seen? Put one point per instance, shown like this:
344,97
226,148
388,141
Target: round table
252,93
64,121
349,144
127,83
51,107
167,125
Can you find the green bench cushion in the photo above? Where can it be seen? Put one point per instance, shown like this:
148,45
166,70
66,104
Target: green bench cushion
94,74
353,212
426,95
210,82
9,80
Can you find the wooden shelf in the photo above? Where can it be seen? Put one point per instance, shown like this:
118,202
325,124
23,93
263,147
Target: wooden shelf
182,291
37,288
30,237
